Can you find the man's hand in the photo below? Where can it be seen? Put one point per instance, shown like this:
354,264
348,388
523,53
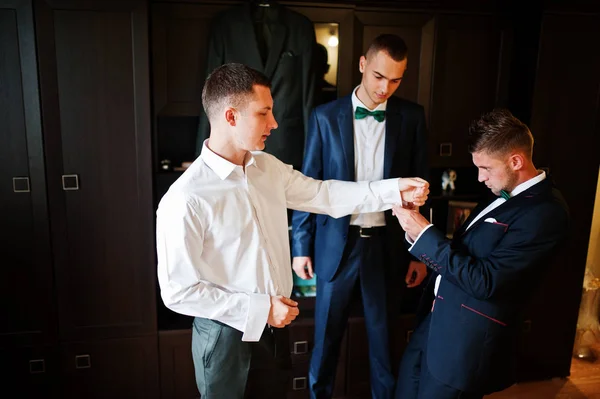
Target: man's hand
416,273
413,190
283,311
411,221
302,265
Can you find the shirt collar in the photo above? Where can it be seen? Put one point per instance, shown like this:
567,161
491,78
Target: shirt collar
220,165
357,103
529,183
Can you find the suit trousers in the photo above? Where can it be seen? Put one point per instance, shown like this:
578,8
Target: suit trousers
414,379
227,367
361,267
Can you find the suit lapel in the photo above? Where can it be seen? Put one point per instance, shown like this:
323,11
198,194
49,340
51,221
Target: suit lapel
279,36
346,127
246,27
523,199
393,126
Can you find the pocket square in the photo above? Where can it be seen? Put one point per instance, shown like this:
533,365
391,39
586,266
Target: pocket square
491,220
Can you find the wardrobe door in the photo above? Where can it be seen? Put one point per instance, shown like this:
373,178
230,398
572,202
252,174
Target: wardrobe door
96,113
28,316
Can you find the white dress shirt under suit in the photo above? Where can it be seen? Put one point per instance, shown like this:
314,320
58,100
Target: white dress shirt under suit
369,147
222,234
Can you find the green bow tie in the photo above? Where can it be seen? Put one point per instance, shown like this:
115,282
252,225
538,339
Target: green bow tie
504,194
361,113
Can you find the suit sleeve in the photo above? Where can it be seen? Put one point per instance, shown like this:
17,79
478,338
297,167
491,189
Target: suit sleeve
523,246
303,223
214,59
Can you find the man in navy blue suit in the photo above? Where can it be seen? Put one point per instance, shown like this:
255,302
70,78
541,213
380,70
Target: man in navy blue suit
367,135
465,345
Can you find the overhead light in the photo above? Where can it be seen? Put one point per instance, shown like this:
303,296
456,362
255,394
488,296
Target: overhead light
333,41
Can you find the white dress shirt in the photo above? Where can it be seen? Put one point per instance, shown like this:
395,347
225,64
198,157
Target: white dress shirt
495,204
369,146
222,234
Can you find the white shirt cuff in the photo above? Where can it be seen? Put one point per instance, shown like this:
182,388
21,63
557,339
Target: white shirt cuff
388,190
412,243
258,313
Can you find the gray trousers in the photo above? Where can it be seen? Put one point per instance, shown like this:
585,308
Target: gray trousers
228,368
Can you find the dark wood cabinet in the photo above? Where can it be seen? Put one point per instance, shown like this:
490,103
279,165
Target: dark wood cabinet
93,60
78,274
112,368
26,282
31,372
467,81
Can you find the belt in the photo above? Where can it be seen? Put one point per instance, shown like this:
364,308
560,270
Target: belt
366,232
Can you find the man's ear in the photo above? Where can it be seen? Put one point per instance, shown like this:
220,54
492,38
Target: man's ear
231,116
517,161
361,64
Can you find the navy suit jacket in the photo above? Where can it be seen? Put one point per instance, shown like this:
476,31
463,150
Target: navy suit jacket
329,154
488,274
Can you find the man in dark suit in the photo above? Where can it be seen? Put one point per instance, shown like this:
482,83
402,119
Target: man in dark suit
464,347
364,136
278,42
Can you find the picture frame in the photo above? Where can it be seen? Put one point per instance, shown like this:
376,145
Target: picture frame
458,212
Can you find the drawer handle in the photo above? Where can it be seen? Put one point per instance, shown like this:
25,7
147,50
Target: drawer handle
300,347
37,366
83,362
299,383
70,182
21,184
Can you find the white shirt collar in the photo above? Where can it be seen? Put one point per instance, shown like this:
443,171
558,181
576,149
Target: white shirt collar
357,103
529,183
220,165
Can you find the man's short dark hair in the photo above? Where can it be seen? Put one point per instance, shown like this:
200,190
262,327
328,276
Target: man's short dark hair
499,132
393,45
230,84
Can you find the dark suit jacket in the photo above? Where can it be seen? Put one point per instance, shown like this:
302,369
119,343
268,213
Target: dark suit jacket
488,274
329,154
289,66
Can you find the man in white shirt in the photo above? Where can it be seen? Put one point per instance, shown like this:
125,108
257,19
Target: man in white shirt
368,135
222,242
465,343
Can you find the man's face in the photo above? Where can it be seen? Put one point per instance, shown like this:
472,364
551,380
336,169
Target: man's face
381,76
495,171
255,122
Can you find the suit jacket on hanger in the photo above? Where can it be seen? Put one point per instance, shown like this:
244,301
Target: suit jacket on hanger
289,66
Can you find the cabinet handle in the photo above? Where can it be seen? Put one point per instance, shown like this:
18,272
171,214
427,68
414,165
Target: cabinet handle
37,366
83,362
21,184
299,383
408,335
300,347
445,149
70,182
